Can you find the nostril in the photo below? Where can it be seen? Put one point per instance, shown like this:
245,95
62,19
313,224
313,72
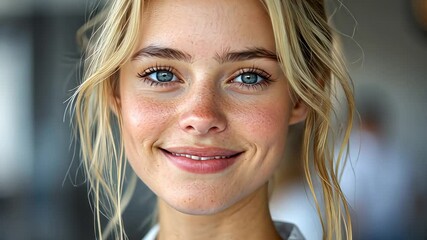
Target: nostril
200,129
189,128
200,126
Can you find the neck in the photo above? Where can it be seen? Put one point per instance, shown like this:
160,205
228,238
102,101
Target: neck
247,219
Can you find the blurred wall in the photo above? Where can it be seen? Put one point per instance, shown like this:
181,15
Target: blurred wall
38,58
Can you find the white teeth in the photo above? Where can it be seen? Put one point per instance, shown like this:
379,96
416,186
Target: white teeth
194,157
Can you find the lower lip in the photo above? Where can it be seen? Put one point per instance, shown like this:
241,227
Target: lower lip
201,166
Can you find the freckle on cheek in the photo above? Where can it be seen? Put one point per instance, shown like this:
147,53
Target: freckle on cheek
260,120
148,115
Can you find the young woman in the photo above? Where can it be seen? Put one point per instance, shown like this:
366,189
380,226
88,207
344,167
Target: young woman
198,97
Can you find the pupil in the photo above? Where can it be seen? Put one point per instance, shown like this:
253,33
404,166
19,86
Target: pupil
249,78
164,76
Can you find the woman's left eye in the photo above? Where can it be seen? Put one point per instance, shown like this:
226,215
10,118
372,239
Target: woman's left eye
249,78
252,79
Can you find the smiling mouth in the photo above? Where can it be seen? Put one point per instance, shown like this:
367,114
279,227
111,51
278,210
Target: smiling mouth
202,154
200,158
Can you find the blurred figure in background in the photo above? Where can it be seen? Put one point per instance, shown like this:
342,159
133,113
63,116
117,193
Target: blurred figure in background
377,182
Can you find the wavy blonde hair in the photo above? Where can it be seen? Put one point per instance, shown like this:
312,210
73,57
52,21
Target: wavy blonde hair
308,56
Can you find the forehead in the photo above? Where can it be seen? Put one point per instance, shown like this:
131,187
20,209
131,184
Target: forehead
206,25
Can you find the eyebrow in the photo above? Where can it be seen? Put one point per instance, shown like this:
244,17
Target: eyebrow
247,54
226,56
162,52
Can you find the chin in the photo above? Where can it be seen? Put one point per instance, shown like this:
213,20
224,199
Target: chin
199,205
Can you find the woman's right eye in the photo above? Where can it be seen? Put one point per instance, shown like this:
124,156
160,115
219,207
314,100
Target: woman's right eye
163,76
160,76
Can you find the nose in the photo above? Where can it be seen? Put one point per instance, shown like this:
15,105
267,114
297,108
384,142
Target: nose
202,113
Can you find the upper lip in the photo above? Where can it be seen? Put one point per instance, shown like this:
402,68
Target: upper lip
203,151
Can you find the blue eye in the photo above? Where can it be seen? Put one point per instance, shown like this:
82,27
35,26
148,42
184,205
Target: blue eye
162,76
252,79
249,78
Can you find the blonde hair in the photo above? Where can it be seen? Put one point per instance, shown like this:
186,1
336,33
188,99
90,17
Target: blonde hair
313,67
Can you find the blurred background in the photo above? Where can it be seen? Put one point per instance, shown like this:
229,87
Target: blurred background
385,43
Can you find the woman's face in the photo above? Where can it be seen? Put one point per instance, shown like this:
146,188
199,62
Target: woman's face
205,105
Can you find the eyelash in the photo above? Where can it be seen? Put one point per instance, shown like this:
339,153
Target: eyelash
267,80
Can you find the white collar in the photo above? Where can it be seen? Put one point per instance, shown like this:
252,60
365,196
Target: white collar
152,234
286,231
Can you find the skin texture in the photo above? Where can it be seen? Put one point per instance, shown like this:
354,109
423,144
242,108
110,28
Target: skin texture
207,107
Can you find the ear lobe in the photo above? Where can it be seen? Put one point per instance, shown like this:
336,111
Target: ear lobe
298,112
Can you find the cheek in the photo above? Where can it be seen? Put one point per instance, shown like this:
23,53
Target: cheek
144,122
265,127
143,118
266,122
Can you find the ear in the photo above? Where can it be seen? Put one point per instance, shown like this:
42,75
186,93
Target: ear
298,112
114,98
